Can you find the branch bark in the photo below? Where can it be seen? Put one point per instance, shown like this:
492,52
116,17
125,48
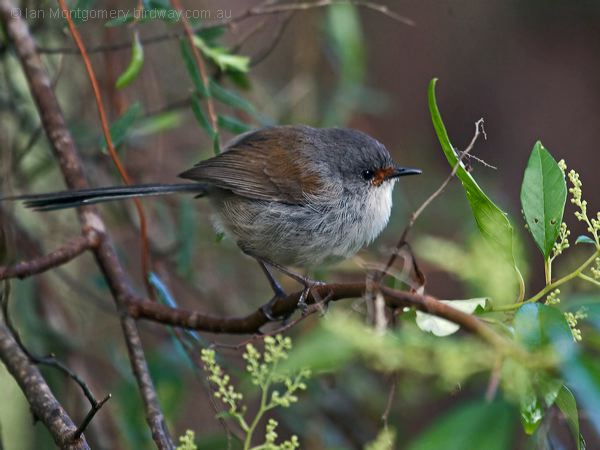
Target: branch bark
56,258
64,148
196,320
43,404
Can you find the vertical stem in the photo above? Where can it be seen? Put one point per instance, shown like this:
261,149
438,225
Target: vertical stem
548,270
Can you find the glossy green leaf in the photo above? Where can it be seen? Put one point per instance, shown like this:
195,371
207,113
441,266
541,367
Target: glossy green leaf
233,124
135,64
565,401
583,239
120,128
543,197
474,426
491,220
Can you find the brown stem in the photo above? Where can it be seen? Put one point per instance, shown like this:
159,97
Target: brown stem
252,323
56,258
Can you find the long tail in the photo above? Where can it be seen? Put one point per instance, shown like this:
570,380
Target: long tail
73,199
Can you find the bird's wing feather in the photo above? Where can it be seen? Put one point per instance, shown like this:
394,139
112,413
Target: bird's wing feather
261,165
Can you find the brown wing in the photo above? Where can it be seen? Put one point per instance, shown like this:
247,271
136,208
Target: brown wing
263,165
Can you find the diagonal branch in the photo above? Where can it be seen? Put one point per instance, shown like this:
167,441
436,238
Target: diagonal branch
64,148
63,255
42,402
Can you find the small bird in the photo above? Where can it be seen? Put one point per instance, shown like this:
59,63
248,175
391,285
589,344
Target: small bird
287,195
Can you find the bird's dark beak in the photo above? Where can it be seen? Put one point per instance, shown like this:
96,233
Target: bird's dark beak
399,171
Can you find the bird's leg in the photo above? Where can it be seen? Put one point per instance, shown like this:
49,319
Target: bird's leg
277,289
267,308
304,281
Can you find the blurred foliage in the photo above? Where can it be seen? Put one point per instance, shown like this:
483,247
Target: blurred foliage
547,381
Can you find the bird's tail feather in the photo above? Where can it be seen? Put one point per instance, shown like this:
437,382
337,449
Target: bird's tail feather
73,199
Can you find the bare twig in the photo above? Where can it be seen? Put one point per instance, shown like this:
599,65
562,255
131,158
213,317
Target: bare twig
51,361
90,415
42,402
303,6
54,259
260,10
415,215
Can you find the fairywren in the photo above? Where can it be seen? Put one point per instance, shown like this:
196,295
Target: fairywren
287,195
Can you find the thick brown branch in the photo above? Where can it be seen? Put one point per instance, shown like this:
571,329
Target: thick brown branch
43,404
56,258
64,147
144,309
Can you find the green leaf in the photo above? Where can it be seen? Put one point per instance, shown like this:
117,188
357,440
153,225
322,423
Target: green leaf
474,426
491,220
192,67
158,123
120,128
543,197
565,401
211,34
200,116
583,239
222,57
231,98
233,124
135,64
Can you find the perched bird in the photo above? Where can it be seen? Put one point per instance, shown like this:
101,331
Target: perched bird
287,195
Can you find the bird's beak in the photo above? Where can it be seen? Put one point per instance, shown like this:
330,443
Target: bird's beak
399,171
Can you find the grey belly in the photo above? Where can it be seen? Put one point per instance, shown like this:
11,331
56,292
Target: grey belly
290,234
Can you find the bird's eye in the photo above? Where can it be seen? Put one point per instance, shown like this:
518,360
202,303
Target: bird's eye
367,174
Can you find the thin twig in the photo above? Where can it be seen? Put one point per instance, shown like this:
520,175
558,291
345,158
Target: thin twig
261,56
42,402
264,9
303,6
54,259
415,215
51,361
90,415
